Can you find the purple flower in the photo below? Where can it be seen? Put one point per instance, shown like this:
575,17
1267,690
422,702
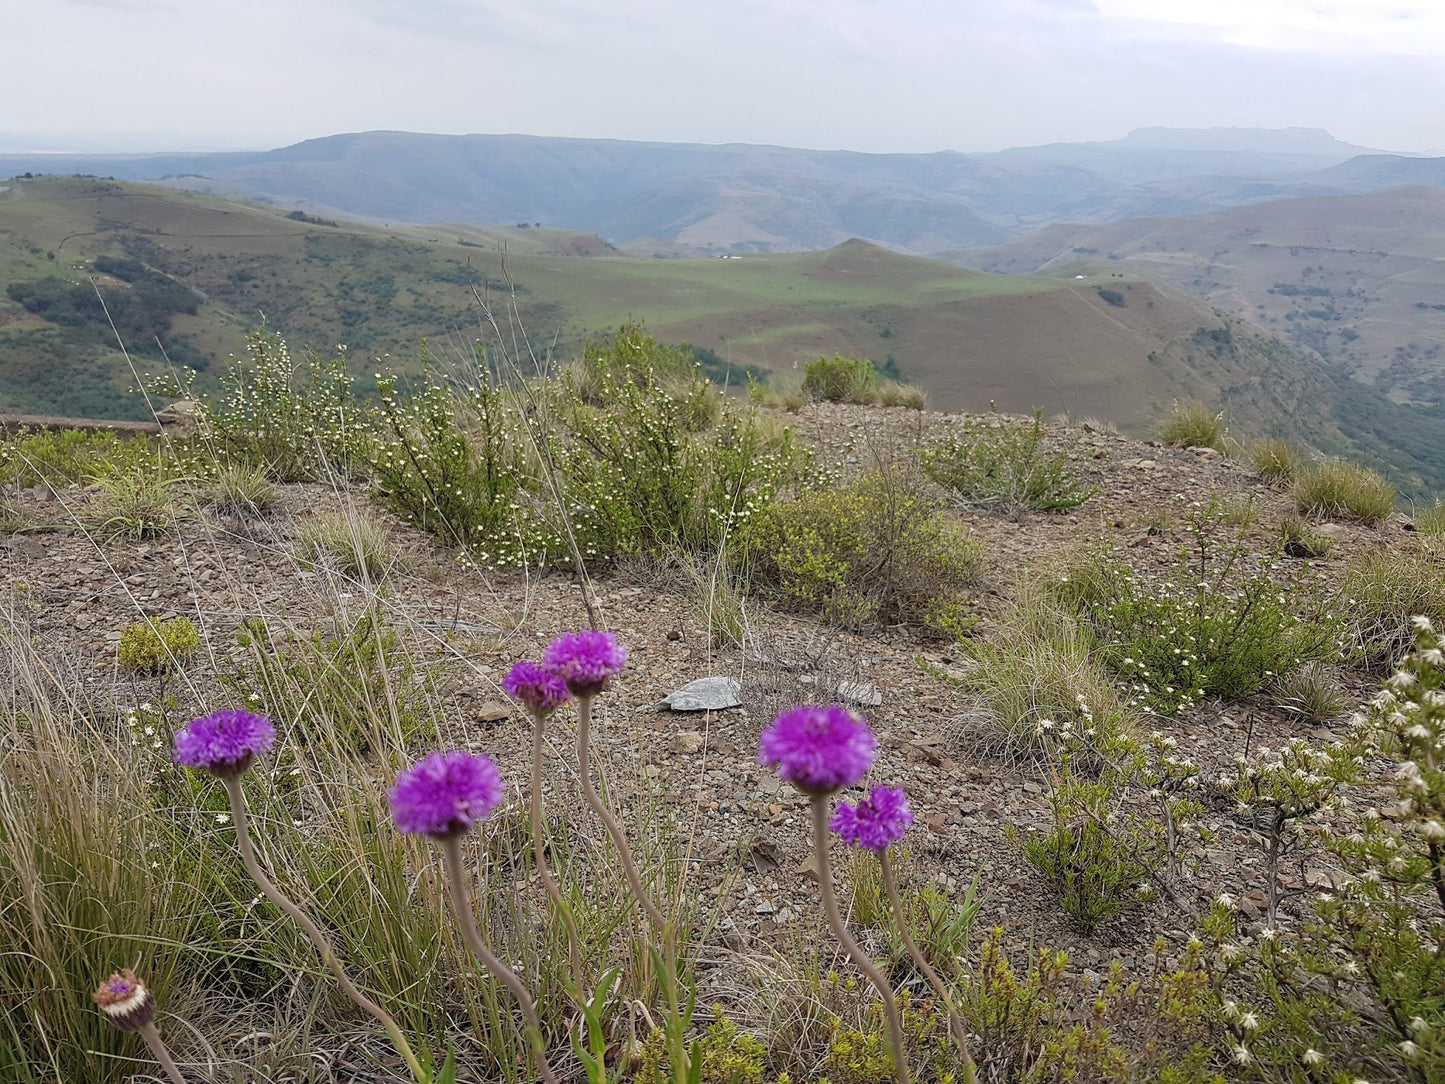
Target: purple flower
224,742
876,821
585,660
541,690
818,749
446,794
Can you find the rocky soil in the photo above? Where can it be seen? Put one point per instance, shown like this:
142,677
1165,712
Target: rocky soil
72,594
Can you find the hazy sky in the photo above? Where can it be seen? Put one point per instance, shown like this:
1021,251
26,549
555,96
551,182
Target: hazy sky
861,74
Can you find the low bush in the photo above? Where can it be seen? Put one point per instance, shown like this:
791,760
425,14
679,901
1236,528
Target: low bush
1383,589
875,549
1341,490
241,491
1037,677
348,542
157,647
1099,863
1005,465
1431,520
1193,425
840,380
1310,691
1220,626
1276,461
296,422
63,457
656,460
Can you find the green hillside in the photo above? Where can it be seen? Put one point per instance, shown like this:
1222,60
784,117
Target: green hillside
184,277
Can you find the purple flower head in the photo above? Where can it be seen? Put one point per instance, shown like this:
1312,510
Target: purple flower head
445,794
224,742
876,821
125,1002
585,660
542,691
818,749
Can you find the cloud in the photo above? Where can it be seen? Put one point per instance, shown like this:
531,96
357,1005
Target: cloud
866,74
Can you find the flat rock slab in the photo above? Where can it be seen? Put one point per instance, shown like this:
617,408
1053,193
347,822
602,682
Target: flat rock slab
704,694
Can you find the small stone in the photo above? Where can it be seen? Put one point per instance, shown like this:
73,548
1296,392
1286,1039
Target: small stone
704,694
492,712
809,867
687,742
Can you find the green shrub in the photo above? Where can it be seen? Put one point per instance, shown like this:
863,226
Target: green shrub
1358,985
1383,589
349,542
657,460
157,647
941,926
1100,864
61,457
1276,461
1005,465
876,549
1217,630
840,380
1193,425
1341,490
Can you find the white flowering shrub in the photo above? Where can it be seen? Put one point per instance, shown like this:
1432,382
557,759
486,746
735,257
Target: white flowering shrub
1219,626
297,422
1282,795
1358,992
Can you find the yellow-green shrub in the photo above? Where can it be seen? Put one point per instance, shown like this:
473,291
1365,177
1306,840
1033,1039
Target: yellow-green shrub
151,647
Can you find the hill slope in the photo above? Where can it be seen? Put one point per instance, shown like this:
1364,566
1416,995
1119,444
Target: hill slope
1358,279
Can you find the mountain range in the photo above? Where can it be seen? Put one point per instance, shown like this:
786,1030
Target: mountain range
695,199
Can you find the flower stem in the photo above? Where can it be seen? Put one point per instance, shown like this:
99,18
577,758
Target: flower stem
609,822
554,891
313,932
955,1022
456,885
153,1040
663,928
851,947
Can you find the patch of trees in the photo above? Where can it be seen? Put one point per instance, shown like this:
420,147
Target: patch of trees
141,310
313,220
1111,297
1289,289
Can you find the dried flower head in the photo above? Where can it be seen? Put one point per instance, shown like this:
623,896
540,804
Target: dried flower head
586,660
124,1000
445,794
223,743
876,821
542,691
818,749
